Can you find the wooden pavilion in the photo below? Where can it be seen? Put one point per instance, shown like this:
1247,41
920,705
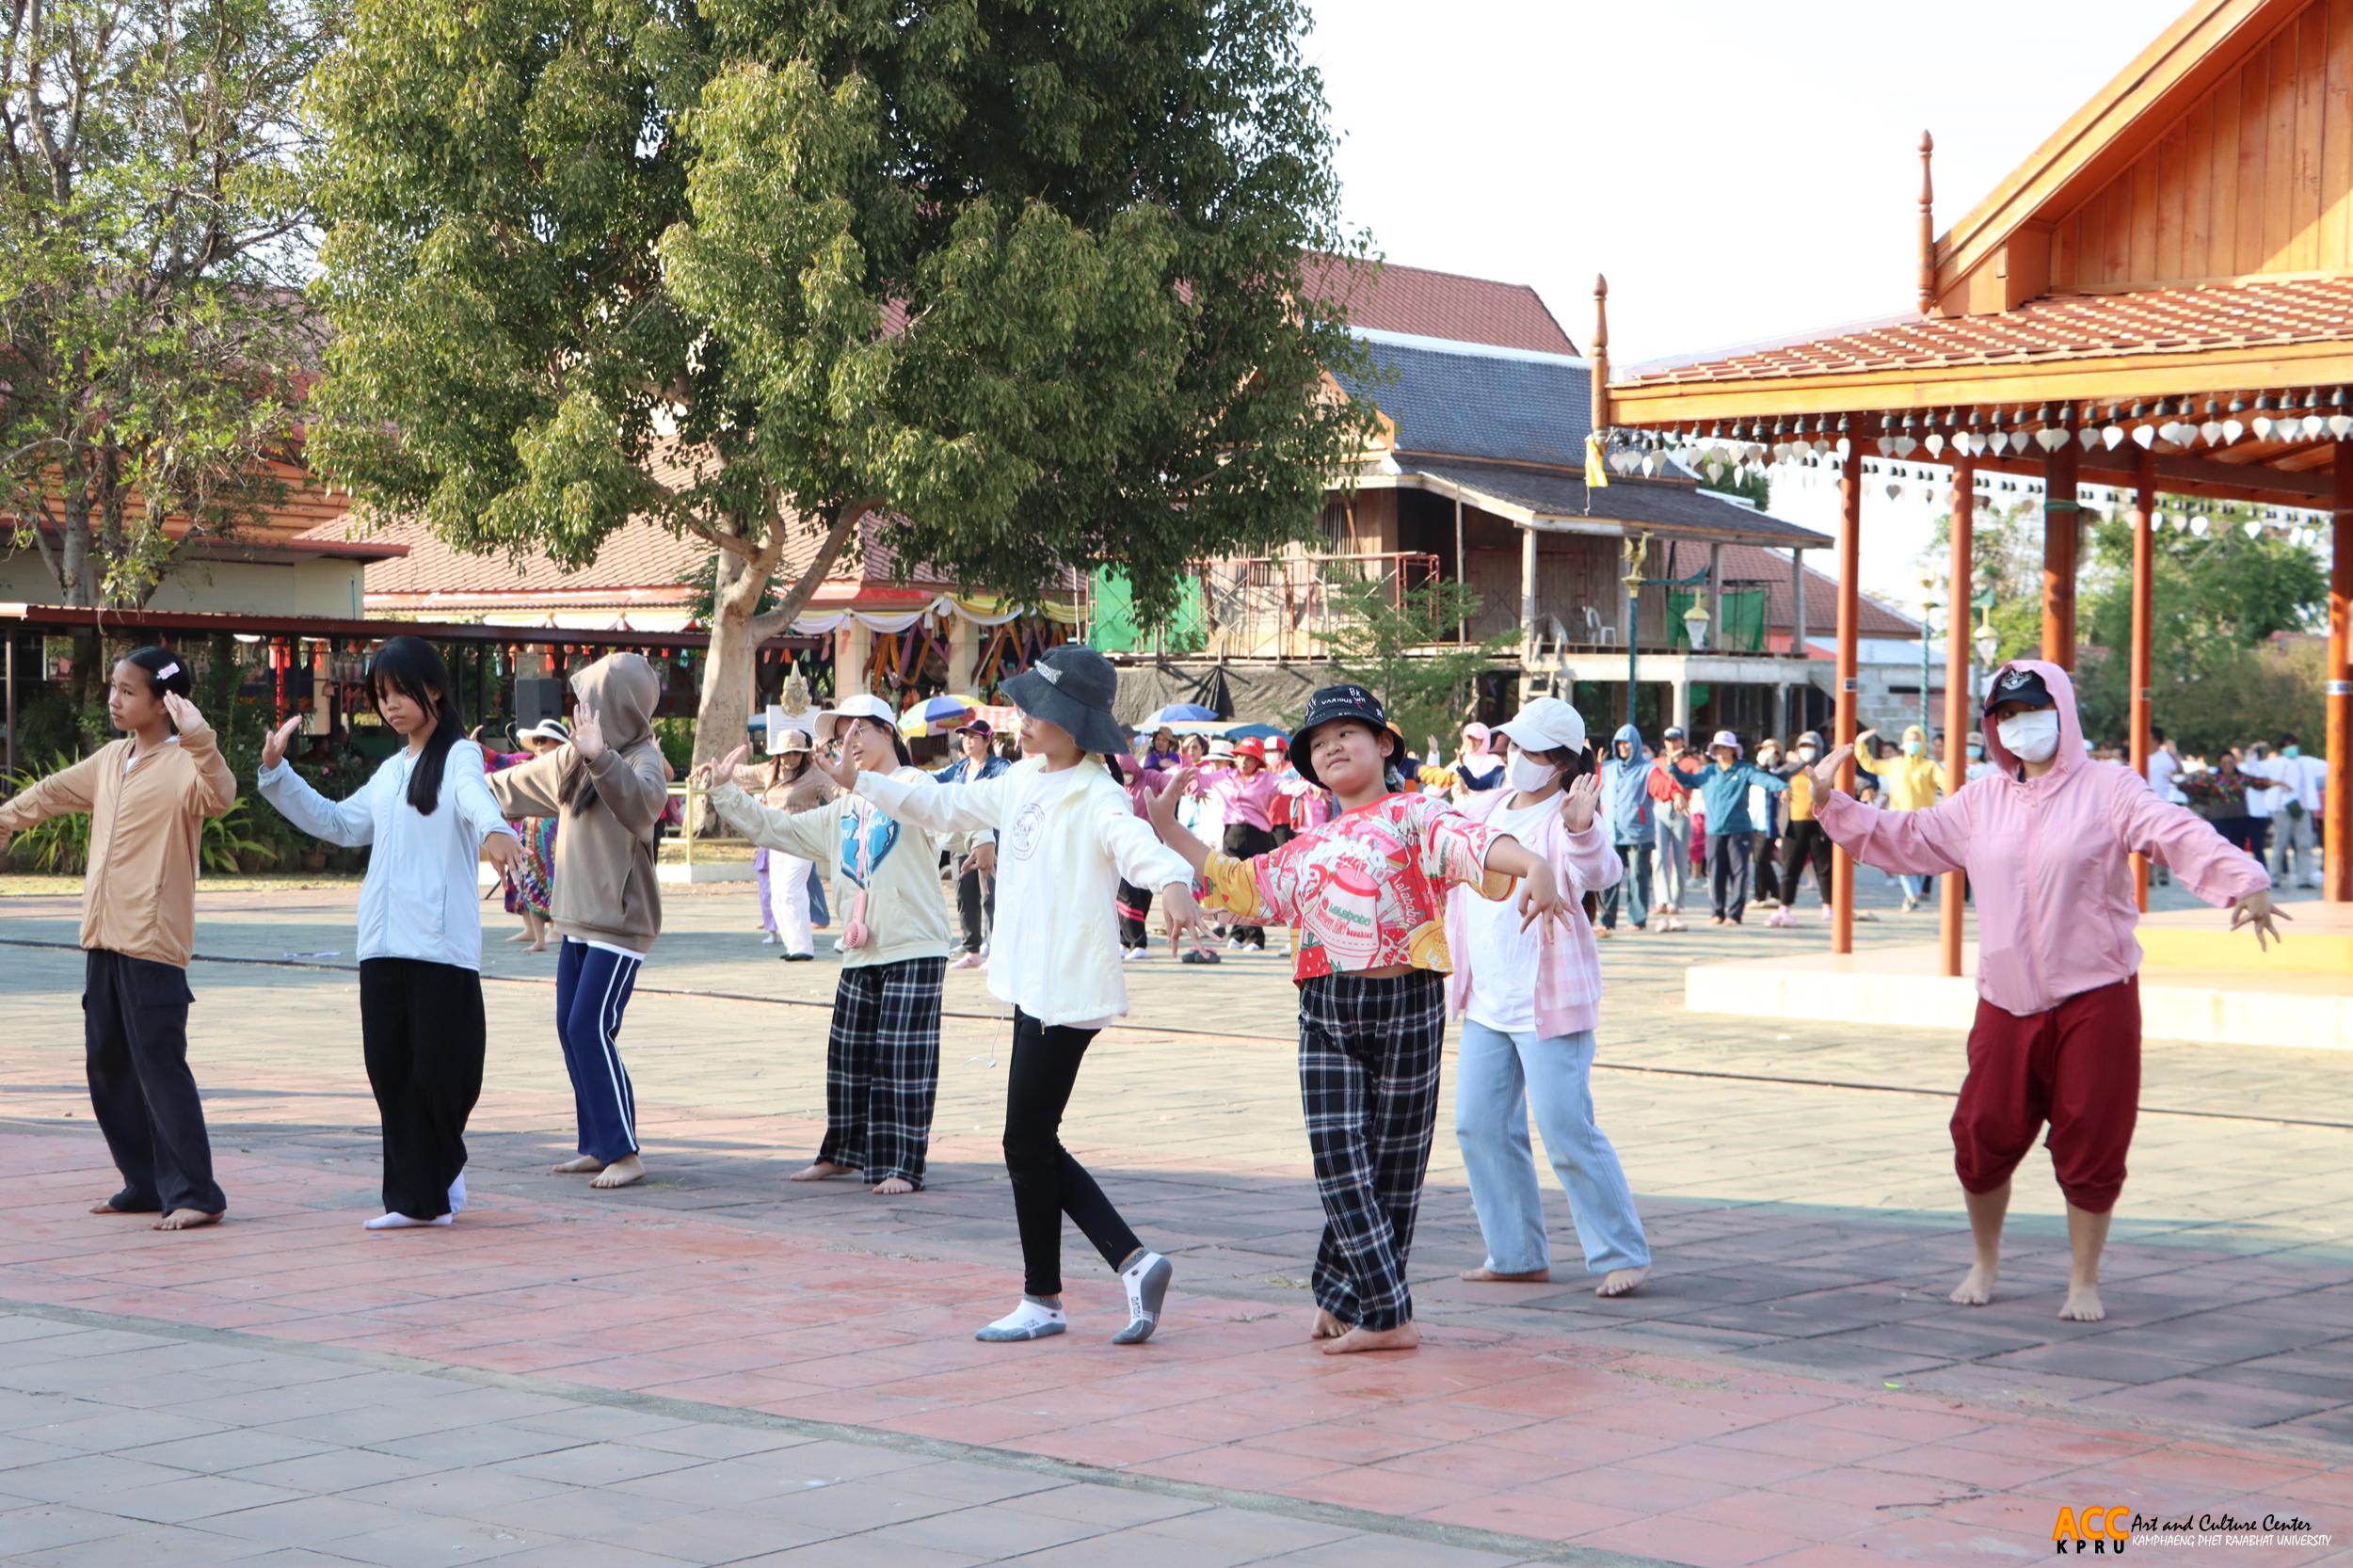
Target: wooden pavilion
2159,298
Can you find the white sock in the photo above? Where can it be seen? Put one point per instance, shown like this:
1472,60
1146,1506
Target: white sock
458,1194
1146,1282
1028,1319
403,1221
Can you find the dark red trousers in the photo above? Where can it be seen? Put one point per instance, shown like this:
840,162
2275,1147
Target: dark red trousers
2076,1067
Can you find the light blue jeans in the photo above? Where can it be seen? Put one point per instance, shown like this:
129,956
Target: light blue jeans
1499,1078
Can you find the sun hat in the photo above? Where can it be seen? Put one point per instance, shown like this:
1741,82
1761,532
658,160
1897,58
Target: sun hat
1072,686
1547,724
791,737
545,729
1329,705
1221,750
1726,738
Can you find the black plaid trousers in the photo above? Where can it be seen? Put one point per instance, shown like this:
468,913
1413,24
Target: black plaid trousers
1369,1052
882,1068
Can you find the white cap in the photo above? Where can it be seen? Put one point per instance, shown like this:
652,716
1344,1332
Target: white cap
1547,724
864,706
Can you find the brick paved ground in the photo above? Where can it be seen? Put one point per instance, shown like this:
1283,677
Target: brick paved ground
1792,1387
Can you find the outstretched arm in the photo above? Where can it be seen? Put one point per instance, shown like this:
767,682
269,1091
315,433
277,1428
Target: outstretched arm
1927,842
66,791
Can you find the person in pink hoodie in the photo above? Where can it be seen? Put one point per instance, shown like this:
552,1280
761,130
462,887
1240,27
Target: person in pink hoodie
1528,998
2046,838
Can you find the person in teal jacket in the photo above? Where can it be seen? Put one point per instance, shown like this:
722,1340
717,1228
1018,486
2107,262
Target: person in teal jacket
1724,790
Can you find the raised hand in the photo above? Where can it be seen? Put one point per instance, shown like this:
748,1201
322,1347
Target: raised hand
1159,805
1180,914
1581,802
502,850
835,763
2254,909
587,734
707,774
274,749
1826,771
184,717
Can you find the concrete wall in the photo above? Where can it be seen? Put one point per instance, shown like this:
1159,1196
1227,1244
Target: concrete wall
329,589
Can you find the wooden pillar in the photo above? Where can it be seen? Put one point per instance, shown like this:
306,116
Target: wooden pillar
1795,719
1959,719
2336,811
1716,595
2144,608
1528,595
2062,549
1850,618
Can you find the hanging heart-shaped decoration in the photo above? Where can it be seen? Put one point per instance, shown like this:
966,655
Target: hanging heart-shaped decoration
1935,443
1886,445
1846,448
2340,425
2210,432
2314,423
1999,441
2050,440
2262,427
1893,489
1714,470
1650,466
1904,446
2171,433
2144,437
2089,437
2231,431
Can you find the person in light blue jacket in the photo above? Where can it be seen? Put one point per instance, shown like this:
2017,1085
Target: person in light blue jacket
1723,789
1628,814
429,819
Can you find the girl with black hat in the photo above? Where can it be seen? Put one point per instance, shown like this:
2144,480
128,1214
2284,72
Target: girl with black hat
1366,893
1067,835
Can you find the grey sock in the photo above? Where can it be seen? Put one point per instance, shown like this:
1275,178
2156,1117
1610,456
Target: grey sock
1146,1280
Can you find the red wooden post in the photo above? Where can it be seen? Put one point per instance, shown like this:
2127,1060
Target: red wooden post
2144,608
1849,615
1960,572
2063,546
2337,810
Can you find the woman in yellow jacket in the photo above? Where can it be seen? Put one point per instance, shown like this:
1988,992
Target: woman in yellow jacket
1909,781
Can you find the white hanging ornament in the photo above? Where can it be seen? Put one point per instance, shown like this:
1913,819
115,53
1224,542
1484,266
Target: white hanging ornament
2312,425
2210,432
2262,427
1893,489
2231,431
2144,437
1905,446
2050,440
2253,528
1935,443
2089,437
2340,426
1999,441
2113,437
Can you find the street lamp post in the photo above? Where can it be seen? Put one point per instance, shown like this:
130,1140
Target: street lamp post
1927,608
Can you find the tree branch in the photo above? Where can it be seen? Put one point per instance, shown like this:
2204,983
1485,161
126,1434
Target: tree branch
828,552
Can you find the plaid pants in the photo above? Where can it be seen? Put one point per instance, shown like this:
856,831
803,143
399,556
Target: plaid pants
882,1068
1369,1080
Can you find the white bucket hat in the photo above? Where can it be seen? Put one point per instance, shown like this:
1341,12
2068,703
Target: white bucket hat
1547,724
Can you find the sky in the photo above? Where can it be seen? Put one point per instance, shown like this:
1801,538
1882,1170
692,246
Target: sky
1738,170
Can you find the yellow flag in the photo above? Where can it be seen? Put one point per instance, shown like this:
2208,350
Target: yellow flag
1596,471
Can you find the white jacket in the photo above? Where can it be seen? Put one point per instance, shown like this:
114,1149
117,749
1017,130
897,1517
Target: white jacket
421,897
1094,840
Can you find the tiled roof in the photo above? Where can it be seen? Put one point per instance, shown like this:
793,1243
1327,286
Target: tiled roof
1413,300
1663,506
2263,314
640,554
1746,562
1479,406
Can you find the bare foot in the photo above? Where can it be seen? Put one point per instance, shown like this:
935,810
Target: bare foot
536,947
1405,1337
1327,1326
620,1172
106,1206
2083,1305
890,1187
1976,1287
587,1164
520,936
1483,1275
1621,1281
189,1219
818,1170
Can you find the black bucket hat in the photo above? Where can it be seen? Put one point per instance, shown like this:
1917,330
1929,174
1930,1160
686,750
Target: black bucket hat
1073,686
2021,685
1339,702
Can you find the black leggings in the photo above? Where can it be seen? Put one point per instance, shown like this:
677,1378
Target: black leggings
1047,1183
421,1029
1804,843
1242,842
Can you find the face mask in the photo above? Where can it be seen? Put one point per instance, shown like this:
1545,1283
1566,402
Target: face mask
2032,737
1912,748
1976,752
2290,751
1807,753
1527,774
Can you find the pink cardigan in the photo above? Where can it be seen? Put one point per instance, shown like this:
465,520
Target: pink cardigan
1568,986
2047,861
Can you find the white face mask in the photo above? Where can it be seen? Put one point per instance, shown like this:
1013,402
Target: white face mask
1807,753
2032,737
1527,774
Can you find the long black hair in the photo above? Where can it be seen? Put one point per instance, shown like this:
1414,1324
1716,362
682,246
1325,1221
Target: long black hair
166,671
410,666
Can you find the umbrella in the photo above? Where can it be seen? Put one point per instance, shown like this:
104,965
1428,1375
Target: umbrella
936,715
1262,731
1175,714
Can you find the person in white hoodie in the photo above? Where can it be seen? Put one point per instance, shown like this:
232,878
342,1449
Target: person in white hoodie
1067,835
429,819
882,1054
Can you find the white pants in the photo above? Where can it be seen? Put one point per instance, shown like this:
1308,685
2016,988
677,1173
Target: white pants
784,899
2292,838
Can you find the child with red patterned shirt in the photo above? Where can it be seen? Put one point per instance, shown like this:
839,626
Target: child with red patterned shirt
1366,896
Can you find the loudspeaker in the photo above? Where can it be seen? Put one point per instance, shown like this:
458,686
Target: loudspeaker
537,698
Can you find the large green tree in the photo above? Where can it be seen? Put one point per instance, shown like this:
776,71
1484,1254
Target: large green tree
1020,279
150,234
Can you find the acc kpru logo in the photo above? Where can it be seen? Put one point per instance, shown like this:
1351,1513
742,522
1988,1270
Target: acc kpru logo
2095,1529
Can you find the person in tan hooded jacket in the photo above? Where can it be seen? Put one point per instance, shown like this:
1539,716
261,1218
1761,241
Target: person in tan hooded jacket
606,789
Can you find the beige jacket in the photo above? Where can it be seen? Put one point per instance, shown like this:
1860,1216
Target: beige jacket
861,848
146,837
604,889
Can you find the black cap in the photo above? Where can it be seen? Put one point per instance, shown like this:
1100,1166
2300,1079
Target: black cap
1333,703
2020,685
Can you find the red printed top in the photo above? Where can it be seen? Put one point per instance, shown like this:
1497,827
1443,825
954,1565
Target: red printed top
1367,891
